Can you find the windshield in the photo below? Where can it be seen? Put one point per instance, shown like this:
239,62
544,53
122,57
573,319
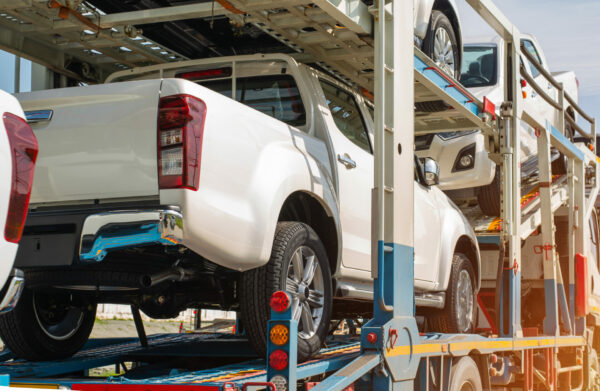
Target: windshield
479,66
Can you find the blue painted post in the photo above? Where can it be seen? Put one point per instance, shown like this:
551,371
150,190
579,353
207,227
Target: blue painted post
282,349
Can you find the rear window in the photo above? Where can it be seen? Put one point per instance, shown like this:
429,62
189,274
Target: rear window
274,95
479,66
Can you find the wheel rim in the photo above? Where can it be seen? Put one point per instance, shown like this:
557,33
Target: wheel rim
306,286
443,51
464,300
57,319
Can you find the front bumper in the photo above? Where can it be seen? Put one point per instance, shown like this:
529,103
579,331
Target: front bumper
12,291
109,231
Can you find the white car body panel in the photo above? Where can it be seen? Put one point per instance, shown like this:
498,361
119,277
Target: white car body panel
8,250
103,142
250,164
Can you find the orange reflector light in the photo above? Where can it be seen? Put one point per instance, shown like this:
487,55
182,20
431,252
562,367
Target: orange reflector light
280,301
524,95
278,360
591,147
279,335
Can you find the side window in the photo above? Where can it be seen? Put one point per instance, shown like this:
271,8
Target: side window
533,51
346,114
274,95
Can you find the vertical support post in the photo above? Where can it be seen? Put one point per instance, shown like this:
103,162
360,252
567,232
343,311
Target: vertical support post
394,160
393,195
17,80
282,342
572,222
511,180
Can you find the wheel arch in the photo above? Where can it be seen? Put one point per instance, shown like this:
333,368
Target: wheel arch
465,246
309,209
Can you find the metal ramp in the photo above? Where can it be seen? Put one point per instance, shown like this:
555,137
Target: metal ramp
166,349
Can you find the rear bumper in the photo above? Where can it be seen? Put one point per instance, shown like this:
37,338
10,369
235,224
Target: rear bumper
12,291
117,230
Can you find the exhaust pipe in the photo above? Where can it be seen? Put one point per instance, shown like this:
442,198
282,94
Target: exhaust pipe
173,275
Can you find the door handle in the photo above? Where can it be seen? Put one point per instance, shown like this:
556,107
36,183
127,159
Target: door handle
346,161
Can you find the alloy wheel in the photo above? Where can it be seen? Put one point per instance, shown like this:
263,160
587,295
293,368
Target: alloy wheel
305,284
443,52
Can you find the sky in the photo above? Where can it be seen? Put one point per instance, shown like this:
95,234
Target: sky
568,32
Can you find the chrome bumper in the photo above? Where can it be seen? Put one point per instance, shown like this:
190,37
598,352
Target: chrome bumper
16,283
108,231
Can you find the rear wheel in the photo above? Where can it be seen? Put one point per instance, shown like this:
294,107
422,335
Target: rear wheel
298,265
458,315
441,45
47,326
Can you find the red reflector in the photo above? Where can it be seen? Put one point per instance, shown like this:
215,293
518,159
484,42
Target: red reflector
278,360
489,107
523,83
205,74
280,301
24,150
581,285
180,132
372,338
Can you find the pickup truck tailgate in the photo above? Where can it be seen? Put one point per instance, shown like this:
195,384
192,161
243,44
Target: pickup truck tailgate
100,142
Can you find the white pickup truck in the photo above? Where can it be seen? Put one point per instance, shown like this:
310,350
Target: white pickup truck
213,183
18,151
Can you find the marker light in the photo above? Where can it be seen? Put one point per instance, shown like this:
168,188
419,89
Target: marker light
279,335
280,301
278,360
372,338
280,382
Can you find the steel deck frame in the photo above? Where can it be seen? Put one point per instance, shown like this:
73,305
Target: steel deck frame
341,41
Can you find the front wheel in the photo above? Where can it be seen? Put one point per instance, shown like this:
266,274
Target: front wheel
458,315
298,265
47,326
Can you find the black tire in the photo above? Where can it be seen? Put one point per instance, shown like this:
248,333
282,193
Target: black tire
488,196
449,319
258,285
464,376
440,21
27,333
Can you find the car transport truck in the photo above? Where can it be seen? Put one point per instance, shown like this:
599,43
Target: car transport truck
548,343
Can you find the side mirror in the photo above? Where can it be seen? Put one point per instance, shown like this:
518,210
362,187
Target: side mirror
432,172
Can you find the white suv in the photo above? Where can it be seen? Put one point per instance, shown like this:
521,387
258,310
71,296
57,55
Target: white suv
464,162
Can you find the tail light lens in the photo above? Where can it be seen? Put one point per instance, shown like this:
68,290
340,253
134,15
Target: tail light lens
180,130
24,150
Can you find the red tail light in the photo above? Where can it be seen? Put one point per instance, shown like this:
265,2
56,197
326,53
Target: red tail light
205,74
180,129
24,150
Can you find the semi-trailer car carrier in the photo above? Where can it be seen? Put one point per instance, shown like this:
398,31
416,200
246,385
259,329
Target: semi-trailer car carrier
544,228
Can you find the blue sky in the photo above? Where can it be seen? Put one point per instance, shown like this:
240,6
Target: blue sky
567,30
